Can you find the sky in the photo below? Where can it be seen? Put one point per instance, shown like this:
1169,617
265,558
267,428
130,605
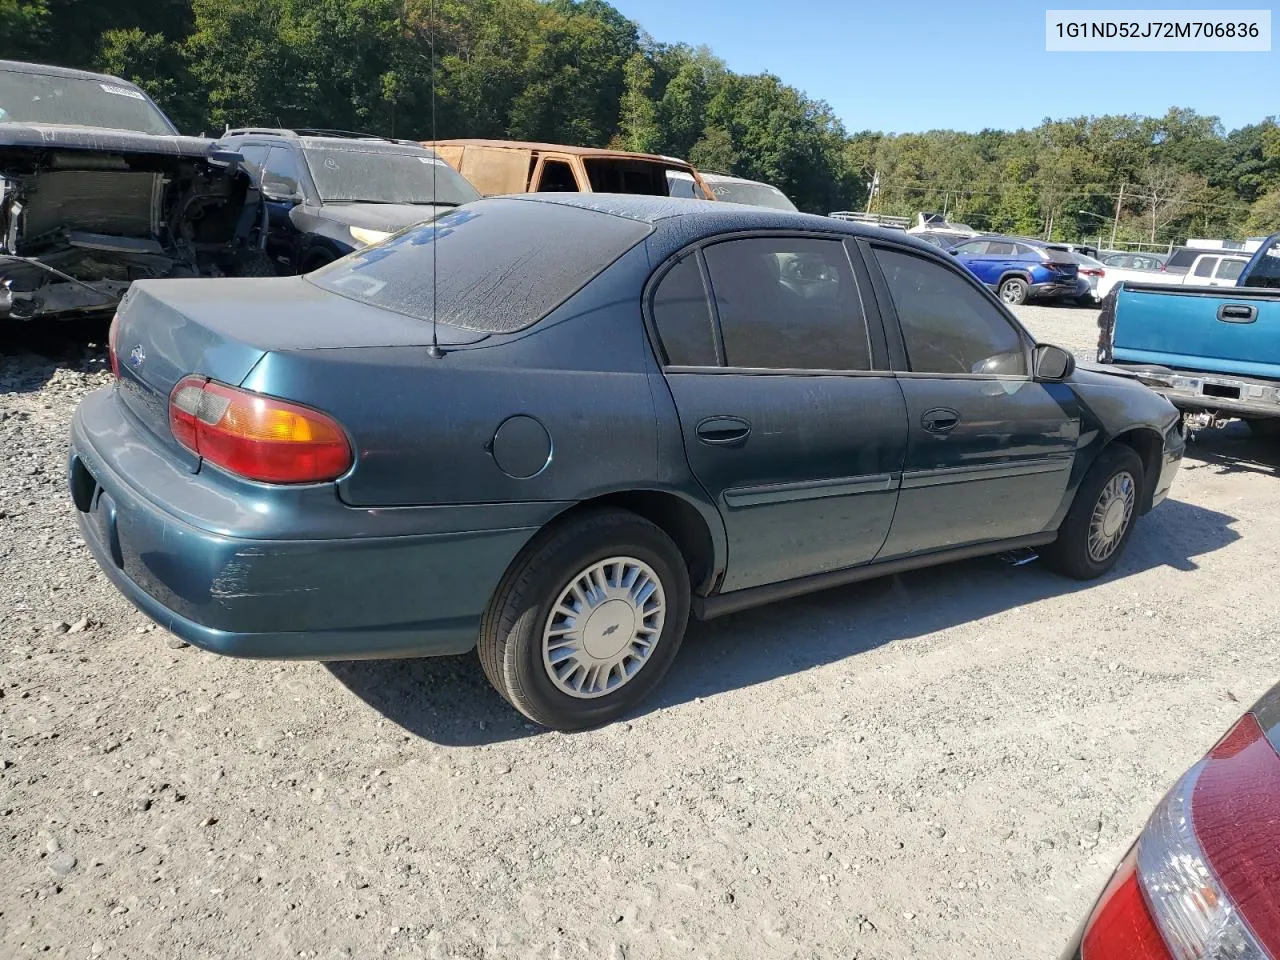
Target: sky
913,65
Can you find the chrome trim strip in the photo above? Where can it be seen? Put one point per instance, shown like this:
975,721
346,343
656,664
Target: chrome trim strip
810,490
984,471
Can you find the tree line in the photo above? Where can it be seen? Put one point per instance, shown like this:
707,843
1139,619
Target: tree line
580,72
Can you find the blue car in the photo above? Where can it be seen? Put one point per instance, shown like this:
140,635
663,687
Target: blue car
553,427
1019,270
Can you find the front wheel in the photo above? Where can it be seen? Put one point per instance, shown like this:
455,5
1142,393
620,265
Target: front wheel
1013,291
587,620
1100,521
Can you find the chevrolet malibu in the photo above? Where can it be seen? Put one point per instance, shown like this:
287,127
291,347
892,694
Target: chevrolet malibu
553,427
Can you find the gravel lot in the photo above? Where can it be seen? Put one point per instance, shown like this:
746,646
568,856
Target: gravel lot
944,764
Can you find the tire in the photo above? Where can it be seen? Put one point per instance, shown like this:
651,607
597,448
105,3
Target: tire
536,675
1071,553
1013,290
1263,427
317,261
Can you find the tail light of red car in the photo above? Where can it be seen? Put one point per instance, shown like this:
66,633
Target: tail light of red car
113,334
255,436
1206,858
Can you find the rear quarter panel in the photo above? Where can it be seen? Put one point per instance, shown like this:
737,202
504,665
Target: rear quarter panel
423,428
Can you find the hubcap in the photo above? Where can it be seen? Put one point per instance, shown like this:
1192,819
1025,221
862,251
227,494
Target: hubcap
1111,516
1013,292
603,627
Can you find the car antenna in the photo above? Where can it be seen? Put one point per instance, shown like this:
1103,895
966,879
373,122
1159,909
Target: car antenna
434,351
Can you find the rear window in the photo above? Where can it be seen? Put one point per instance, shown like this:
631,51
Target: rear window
1183,257
608,175
493,266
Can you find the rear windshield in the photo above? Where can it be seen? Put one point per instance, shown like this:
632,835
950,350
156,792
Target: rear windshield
755,194
74,101
343,173
1183,257
494,266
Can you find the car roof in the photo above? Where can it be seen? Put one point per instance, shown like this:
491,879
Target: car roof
362,142
45,69
560,148
703,217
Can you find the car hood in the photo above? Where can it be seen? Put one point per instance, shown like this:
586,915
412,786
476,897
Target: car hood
380,216
100,140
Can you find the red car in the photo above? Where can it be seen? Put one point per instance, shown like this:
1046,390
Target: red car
1203,879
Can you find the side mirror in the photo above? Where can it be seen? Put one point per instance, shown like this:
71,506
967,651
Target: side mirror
279,193
1053,364
954,253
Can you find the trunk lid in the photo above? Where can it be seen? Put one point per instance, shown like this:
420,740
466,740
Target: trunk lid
1199,329
222,328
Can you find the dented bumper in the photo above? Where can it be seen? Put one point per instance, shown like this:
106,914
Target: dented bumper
350,584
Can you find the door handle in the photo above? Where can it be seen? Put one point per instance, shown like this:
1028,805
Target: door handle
1237,313
724,431
940,420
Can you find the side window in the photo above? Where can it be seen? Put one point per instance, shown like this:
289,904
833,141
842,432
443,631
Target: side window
1026,252
788,303
1230,269
680,186
1001,248
280,173
683,318
254,154
557,177
948,326
1204,266
974,248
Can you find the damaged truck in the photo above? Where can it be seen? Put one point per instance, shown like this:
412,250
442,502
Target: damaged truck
98,189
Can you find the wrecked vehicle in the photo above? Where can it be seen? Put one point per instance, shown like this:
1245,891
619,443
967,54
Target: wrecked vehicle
98,189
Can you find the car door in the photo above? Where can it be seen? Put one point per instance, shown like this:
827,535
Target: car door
792,421
1201,272
989,449
282,192
1006,257
973,254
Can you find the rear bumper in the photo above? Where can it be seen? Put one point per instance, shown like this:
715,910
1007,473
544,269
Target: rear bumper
277,597
1216,392
1053,289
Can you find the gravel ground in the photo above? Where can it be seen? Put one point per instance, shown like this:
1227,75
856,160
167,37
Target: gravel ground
943,764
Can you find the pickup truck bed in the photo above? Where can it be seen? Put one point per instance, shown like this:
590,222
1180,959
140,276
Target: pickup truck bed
1206,349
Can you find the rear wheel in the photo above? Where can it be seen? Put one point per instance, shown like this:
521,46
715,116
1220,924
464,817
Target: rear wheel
587,620
1013,290
1100,521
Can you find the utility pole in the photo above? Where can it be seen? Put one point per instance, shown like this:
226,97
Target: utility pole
1116,222
871,190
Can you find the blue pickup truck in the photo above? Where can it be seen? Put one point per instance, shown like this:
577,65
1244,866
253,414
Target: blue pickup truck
1213,351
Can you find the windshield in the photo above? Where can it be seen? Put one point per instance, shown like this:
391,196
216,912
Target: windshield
382,176
755,194
73,101
497,266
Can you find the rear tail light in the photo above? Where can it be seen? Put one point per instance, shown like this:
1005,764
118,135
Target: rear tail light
255,436
1169,900
1092,272
1060,267
113,334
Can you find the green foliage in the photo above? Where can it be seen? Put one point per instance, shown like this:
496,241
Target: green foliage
580,72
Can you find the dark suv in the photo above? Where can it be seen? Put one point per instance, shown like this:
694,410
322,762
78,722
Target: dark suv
329,192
